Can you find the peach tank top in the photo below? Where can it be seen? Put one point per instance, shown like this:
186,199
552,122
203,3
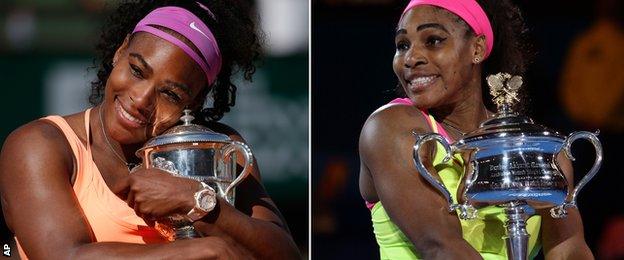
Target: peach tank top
110,218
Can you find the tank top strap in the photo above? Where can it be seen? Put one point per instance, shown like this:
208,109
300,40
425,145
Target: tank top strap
435,126
85,175
77,146
87,128
80,150
403,101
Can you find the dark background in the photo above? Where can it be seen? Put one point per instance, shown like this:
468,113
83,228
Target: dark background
352,51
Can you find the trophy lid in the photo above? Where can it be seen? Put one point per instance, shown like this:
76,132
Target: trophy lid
507,123
509,126
185,133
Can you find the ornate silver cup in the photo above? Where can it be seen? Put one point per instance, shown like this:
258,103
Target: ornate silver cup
196,152
511,162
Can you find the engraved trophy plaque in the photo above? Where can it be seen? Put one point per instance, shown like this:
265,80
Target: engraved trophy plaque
196,152
511,163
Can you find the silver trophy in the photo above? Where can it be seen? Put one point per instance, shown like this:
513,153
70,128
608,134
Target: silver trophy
511,163
196,152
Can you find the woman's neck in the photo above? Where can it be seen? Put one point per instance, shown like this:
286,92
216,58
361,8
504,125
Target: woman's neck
112,148
467,112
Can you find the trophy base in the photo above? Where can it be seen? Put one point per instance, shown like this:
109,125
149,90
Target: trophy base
536,198
517,237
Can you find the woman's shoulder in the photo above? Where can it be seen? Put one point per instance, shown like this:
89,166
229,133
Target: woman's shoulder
48,129
38,131
391,128
393,117
36,139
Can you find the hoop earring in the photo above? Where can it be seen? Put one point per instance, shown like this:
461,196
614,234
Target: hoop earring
477,60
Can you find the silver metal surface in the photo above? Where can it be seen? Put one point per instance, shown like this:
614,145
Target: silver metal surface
516,168
185,133
517,237
196,152
510,161
422,139
560,211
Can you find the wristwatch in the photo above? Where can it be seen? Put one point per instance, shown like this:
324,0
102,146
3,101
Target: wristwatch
205,201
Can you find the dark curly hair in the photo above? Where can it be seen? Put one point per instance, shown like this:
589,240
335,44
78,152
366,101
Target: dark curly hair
233,25
511,52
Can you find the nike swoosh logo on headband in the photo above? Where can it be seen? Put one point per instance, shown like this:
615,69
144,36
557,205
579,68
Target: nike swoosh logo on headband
194,27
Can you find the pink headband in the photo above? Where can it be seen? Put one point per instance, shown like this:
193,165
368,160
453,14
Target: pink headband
469,10
192,28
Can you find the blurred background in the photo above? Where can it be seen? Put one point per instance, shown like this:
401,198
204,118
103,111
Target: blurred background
47,46
576,83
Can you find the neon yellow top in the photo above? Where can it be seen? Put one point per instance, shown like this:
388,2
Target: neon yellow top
485,233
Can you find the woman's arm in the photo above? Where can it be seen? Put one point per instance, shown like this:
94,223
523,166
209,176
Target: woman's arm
255,224
412,203
199,248
40,207
564,238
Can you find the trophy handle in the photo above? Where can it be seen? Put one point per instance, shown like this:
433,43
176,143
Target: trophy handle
466,211
560,211
241,147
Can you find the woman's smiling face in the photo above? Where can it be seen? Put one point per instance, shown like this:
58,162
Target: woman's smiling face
434,56
151,83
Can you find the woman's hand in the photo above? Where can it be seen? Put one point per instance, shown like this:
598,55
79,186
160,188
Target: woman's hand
154,193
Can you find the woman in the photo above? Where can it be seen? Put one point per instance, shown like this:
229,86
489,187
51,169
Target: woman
66,187
444,50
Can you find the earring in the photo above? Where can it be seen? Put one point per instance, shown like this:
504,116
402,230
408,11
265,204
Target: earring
113,63
476,60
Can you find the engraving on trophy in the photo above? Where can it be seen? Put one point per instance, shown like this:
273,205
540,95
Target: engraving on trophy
511,163
165,165
527,175
178,162
196,152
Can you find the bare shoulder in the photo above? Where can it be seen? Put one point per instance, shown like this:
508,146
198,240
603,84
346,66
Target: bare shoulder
34,156
388,175
386,145
392,121
36,140
35,152
36,165
389,130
